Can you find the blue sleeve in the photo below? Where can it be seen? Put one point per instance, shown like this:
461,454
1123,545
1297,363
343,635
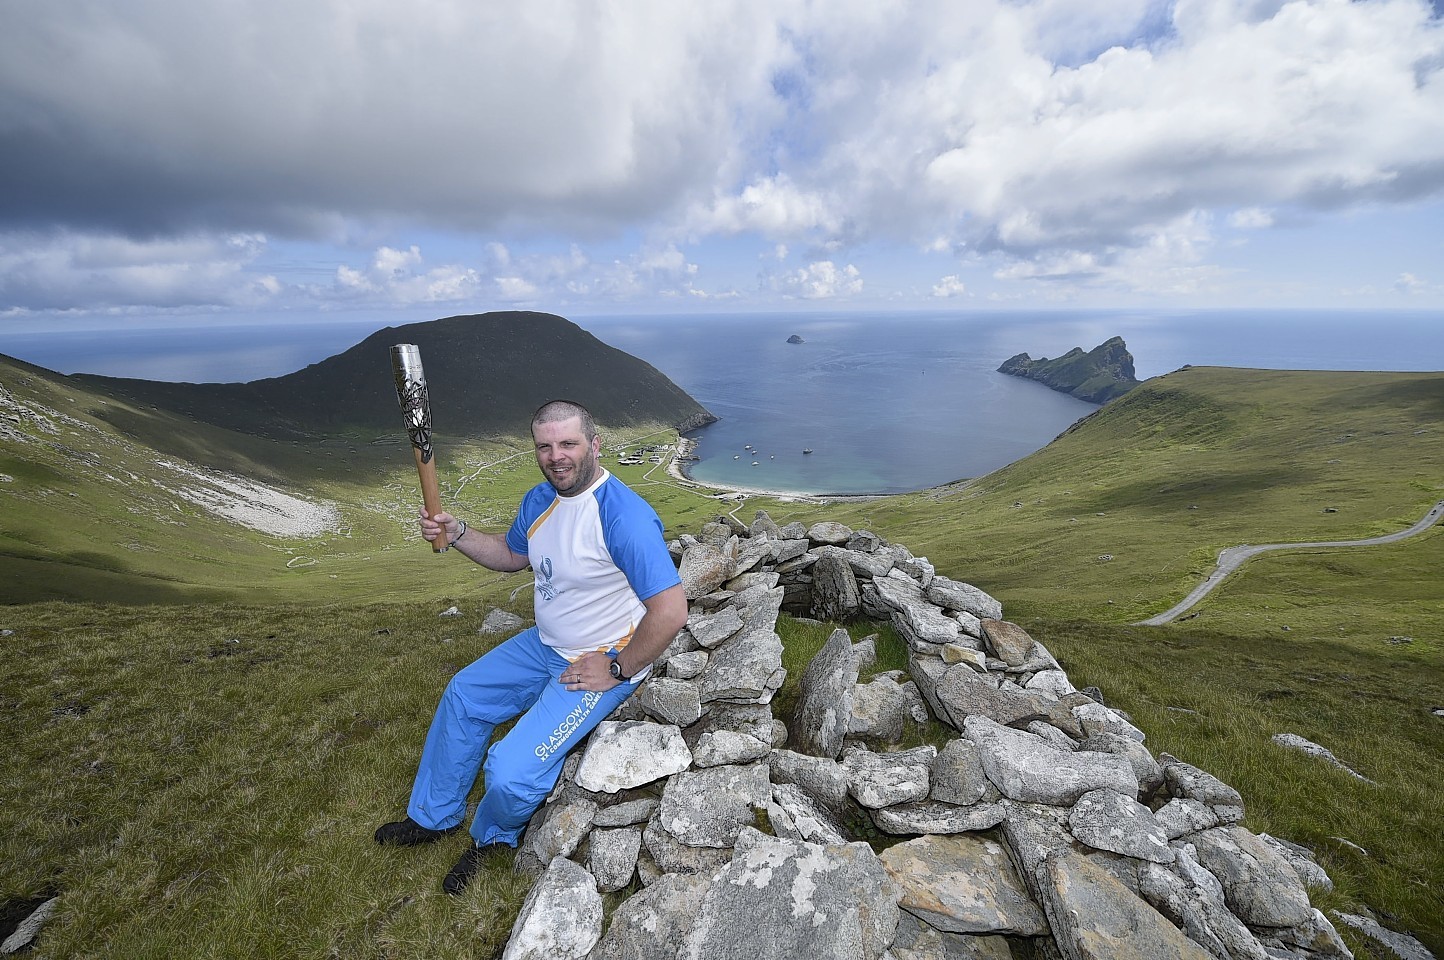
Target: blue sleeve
533,505
633,535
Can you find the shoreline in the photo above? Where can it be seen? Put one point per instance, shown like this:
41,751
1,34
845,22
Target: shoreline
682,455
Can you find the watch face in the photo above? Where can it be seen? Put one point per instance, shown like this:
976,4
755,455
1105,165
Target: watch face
616,670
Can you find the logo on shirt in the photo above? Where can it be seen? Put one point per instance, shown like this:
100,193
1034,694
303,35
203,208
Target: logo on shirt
544,584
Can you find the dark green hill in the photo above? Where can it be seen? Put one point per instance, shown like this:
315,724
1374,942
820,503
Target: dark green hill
486,373
1097,376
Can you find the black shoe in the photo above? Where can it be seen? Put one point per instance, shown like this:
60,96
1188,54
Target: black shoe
465,870
409,833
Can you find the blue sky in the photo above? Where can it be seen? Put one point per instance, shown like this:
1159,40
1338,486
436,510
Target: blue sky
286,159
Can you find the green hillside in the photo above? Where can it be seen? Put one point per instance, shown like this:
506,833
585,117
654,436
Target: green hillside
145,720
482,374
1163,478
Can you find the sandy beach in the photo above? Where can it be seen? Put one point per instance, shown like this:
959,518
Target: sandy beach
681,457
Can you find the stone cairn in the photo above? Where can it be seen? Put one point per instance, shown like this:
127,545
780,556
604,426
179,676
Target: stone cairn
1044,829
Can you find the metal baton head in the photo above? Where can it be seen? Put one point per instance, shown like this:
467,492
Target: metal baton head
411,395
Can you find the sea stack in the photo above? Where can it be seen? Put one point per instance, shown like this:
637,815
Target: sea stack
795,339
1097,376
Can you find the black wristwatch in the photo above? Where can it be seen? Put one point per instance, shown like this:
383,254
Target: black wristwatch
616,671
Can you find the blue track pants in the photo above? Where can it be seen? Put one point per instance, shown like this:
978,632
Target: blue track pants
519,677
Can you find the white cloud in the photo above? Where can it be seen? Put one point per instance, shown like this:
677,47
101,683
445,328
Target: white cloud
65,271
515,288
396,263
950,286
1251,218
821,280
771,206
1407,283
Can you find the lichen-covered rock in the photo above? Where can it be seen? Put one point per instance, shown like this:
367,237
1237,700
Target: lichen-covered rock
931,816
1180,817
824,779
953,595
834,590
1110,821
880,711
673,856
717,747
710,629
1150,774
675,702
612,857
824,700
797,815
963,884
1026,768
957,774
748,667
685,666
1302,860
803,901
554,832
1009,642
630,753
709,808
865,565
561,918
964,693
1187,781
1095,917
652,924
1192,899
916,940
886,779
626,813
1259,887
830,532
704,568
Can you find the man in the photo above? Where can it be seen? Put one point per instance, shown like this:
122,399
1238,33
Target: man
608,601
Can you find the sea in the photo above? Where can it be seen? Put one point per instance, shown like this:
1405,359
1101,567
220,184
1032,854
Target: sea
865,403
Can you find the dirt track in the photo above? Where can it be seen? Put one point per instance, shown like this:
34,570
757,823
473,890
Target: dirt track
1230,559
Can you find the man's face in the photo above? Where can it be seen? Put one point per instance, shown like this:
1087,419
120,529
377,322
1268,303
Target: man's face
567,459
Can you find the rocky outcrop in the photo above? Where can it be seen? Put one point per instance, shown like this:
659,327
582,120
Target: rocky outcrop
1097,376
1041,827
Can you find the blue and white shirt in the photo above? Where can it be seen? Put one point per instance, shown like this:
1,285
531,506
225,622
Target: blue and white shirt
596,557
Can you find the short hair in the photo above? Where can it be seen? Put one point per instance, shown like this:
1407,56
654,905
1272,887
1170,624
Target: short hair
554,410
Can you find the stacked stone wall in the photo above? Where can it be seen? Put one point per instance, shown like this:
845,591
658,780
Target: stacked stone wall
1044,827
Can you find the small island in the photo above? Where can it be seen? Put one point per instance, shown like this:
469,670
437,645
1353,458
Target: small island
795,339
1101,374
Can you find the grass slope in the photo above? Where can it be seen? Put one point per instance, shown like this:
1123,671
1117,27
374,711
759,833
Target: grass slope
202,778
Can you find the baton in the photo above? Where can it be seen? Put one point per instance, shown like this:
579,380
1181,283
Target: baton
416,409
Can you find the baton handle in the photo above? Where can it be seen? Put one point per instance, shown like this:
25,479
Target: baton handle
430,495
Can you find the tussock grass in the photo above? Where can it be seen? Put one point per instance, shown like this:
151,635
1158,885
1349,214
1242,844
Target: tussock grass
204,781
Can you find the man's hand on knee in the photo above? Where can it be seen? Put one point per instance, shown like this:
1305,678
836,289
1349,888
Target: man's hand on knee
590,671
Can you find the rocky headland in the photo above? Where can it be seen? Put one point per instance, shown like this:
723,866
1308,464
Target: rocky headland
1039,825
1101,374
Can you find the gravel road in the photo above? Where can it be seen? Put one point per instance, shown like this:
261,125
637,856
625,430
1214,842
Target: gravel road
1230,559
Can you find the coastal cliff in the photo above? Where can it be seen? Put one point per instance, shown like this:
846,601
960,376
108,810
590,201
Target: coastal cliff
1100,375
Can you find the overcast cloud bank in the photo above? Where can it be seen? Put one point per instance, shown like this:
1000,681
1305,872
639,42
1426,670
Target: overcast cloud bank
280,155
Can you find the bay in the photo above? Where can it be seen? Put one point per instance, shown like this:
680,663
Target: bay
895,403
